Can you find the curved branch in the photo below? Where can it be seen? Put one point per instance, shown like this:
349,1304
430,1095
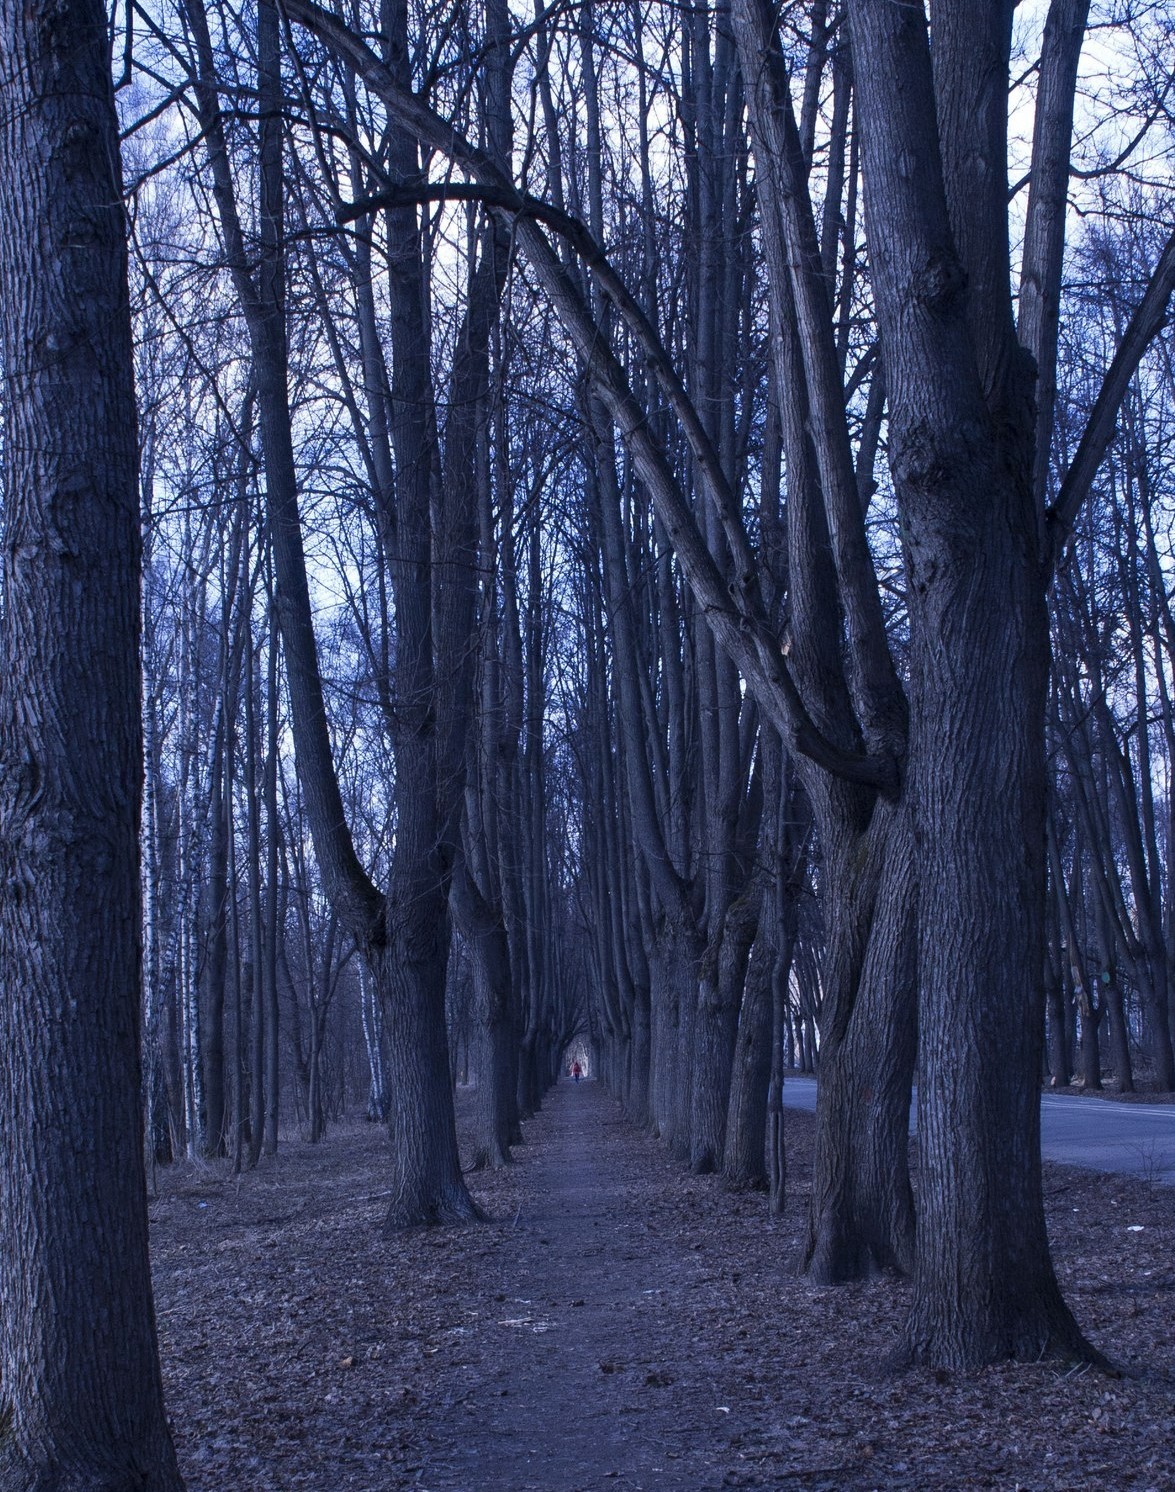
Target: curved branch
508,198
736,619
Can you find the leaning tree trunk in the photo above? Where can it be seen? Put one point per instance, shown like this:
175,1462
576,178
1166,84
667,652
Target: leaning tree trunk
82,1400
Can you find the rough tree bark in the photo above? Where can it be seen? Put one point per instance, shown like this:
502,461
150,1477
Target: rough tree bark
961,452
82,1406
861,1216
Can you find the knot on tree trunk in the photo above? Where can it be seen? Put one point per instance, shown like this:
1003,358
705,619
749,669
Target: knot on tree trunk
939,284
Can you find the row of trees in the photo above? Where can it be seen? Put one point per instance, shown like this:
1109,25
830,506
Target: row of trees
608,500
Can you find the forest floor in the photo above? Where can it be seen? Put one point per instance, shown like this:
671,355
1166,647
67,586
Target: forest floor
620,1324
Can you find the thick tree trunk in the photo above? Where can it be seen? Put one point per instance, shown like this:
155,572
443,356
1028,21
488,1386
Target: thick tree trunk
681,1097
1057,1018
529,1096
81,1400
960,449
1091,1056
426,1183
984,1287
862,1211
663,1032
674,971
638,1080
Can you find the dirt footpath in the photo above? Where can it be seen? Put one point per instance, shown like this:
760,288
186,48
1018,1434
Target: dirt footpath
619,1324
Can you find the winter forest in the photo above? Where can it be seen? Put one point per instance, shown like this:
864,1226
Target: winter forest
567,569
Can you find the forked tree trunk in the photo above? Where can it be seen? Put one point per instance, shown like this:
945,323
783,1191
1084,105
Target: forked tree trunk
403,935
721,997
961,453
81,1400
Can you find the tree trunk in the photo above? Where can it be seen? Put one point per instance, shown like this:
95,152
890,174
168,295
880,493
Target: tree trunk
1119,1036
410,970
862,1211
721,989
398,934
744,1158
82,1400
1091,1056
426,1182
1057,1017
216,956
984,1287
961,453
272,921
485,940
639,1056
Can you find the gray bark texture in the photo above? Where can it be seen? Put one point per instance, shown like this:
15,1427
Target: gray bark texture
861,1210
961,452
82,1400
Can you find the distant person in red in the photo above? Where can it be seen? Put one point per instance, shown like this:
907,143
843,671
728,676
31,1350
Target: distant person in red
576,1071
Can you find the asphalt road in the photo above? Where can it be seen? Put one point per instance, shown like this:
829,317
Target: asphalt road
1134,1138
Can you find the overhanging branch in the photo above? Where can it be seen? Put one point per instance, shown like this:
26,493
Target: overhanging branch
1147,322
734,612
